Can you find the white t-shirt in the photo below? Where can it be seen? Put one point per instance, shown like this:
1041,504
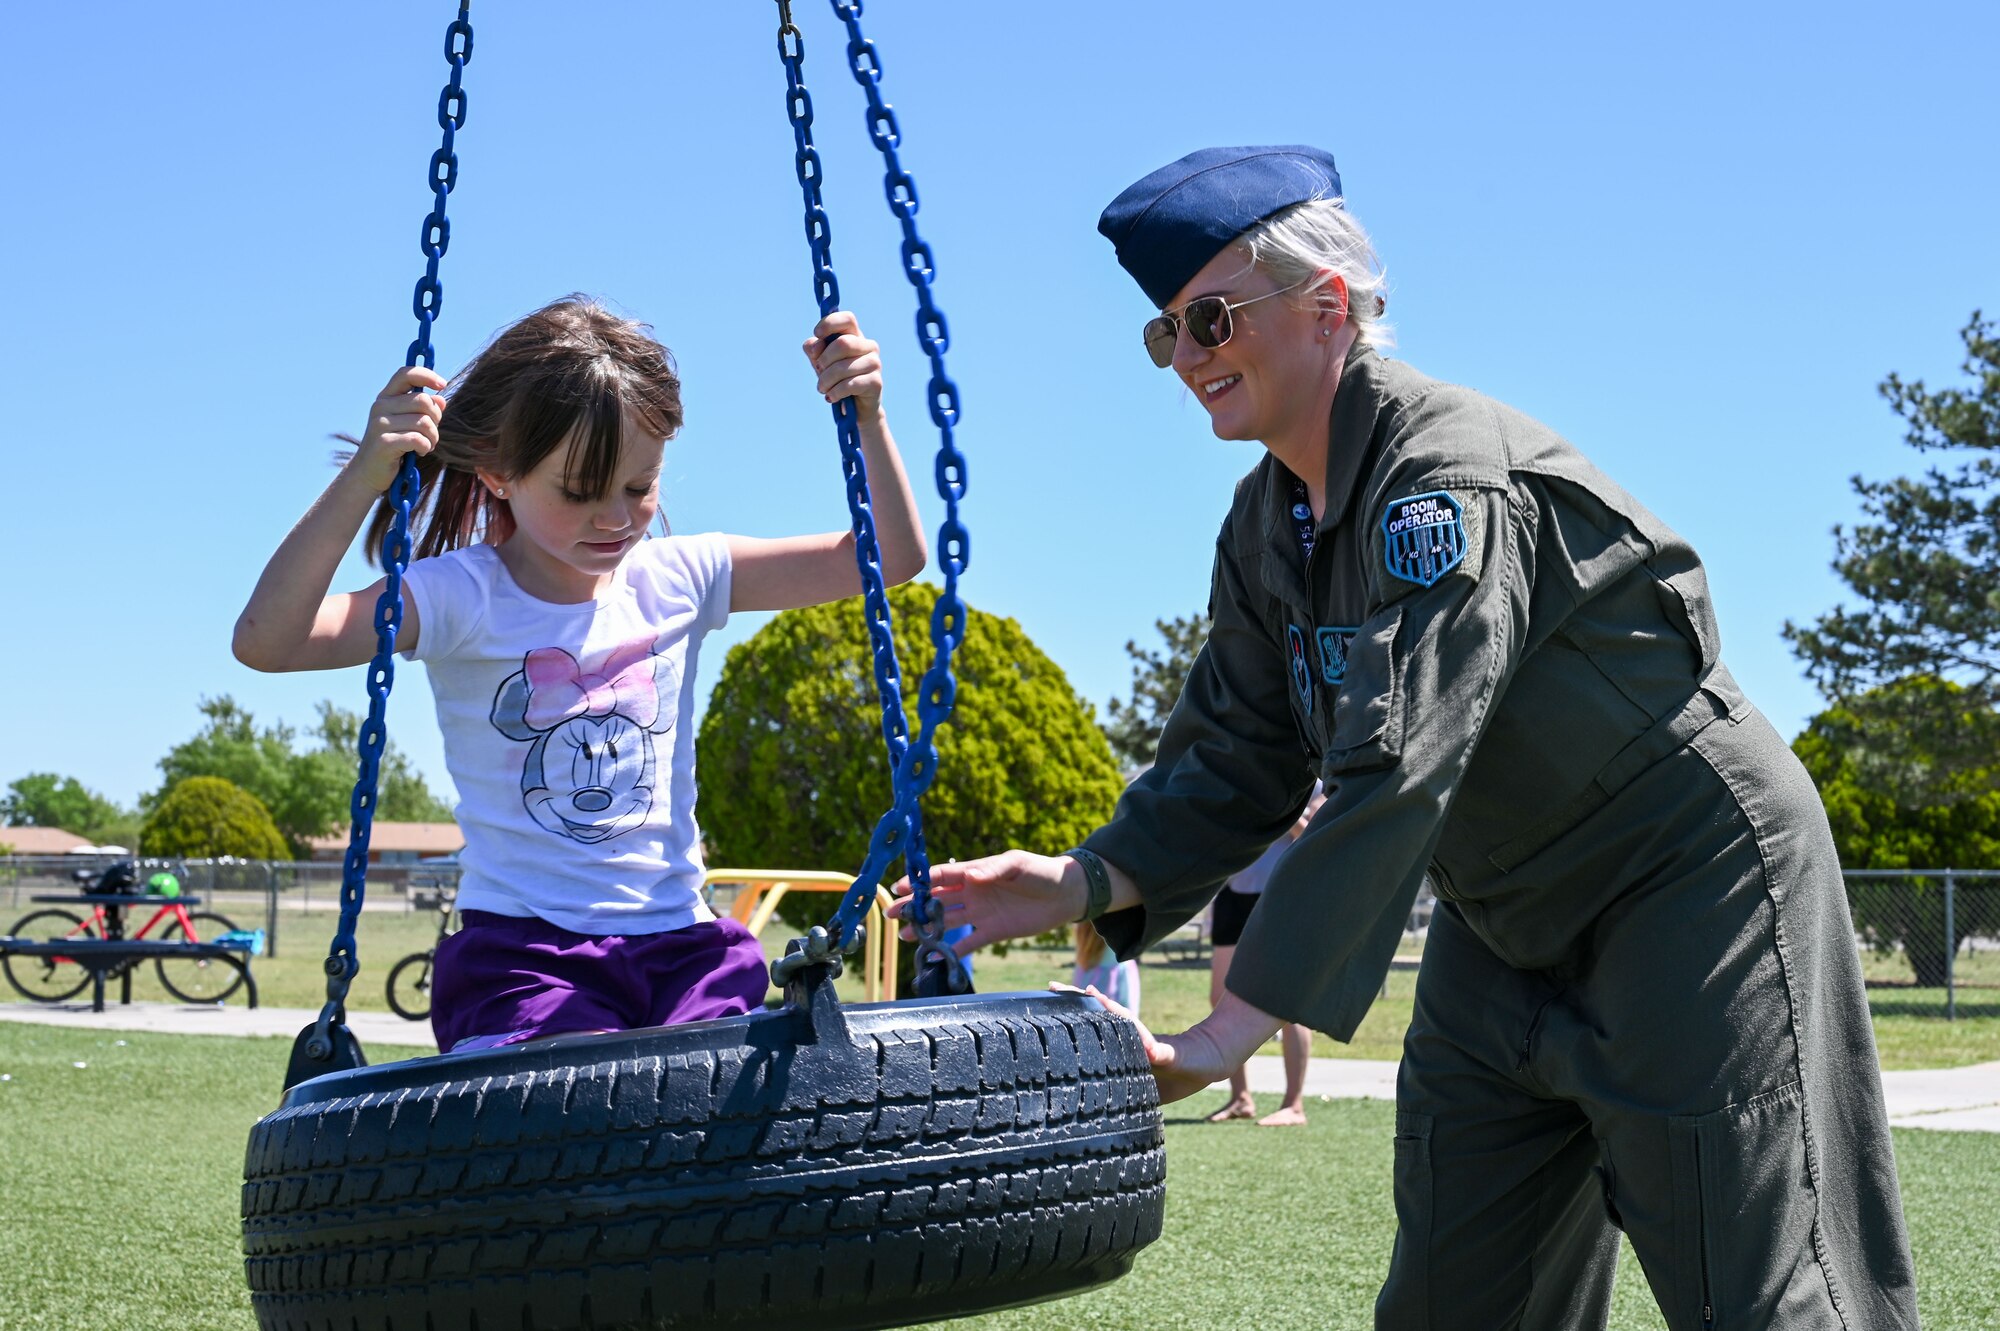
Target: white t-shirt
567,732
1250,882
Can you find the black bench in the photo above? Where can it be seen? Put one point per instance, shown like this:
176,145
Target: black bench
103,956
1186,946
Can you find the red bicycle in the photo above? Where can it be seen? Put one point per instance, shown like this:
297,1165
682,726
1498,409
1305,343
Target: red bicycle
108,896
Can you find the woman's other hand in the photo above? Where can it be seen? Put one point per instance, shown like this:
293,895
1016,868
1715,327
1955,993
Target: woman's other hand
1182,1065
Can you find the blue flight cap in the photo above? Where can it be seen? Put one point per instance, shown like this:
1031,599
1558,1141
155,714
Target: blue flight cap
1181,216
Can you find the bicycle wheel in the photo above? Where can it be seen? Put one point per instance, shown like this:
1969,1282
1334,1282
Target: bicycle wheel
410,987
48,979
199,979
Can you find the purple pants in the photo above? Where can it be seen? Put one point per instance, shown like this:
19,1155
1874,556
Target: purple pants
502,979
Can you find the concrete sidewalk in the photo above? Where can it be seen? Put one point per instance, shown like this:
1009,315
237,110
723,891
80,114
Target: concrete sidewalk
1958,1099
373,1028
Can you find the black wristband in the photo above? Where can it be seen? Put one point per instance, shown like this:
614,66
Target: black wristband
1099,880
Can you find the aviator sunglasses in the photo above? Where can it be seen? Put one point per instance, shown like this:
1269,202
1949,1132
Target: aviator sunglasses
1207,319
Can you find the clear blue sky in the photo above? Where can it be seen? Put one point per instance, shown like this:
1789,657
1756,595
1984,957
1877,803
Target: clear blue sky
1692,237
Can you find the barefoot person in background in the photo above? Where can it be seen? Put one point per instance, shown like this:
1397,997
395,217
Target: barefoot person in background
1229,913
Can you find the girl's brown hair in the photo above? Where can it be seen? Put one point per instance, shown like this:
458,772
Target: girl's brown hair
572,369
1089,944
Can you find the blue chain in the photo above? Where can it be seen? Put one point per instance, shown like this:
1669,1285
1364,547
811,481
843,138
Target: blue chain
342,962
900,830
938,688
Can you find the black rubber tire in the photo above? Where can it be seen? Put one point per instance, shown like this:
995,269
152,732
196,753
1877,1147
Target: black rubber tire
47,979
409,987
950,1157
204,979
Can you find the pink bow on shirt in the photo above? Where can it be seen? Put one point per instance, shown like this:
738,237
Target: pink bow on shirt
559,690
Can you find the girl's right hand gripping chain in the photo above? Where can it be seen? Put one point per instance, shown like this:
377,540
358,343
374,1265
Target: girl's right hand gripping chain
402,420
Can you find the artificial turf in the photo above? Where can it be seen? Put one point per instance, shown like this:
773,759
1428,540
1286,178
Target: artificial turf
119,1182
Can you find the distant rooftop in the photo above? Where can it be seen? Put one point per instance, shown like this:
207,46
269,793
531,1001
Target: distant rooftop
41,840
396,838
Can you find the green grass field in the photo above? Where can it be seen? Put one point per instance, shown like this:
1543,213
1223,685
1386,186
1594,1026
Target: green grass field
119,1204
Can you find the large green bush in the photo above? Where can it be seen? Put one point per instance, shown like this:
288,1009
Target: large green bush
1887,817
206,816
793,769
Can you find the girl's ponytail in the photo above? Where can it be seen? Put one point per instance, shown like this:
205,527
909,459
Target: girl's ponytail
1090,945
452,510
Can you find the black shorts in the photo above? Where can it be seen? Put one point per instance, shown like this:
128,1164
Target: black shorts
1232,912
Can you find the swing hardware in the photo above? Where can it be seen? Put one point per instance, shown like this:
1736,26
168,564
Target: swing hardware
817,948
810,993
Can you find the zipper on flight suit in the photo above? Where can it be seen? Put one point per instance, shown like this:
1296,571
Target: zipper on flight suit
1701,1241
1308,546
1441,883
1528,1036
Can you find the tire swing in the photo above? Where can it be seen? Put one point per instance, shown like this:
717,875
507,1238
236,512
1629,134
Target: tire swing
861,1167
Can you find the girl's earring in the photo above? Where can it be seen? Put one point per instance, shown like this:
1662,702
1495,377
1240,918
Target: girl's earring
500,492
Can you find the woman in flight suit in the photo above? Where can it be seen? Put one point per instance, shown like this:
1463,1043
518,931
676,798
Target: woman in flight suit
1640,1005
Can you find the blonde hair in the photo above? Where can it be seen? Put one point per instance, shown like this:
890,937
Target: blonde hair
1294,243
1089,944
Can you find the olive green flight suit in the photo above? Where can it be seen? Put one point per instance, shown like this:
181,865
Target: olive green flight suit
1640,1003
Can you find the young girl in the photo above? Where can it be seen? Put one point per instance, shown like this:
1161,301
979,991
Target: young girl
1096,969
561,645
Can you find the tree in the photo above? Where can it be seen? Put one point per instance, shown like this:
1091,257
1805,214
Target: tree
1157,678
793,768
1874,828
304,800
206,816
401,793
1925,564
306,791
43,799
122,830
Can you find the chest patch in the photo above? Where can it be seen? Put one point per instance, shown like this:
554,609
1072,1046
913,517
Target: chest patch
1333,653
1425,536
1302,675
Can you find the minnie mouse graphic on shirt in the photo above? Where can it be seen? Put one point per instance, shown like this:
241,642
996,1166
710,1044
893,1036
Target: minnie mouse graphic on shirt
591,764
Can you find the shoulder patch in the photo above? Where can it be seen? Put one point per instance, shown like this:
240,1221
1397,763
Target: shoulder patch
1424,536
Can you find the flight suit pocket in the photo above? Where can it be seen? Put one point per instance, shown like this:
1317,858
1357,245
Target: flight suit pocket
1744,1211
1406,1295
1368,713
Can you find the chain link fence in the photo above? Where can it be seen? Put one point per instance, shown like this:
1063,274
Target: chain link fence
1930,939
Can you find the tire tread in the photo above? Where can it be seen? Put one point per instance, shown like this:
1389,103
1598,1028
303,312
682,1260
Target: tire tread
952,1167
